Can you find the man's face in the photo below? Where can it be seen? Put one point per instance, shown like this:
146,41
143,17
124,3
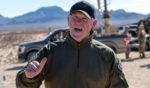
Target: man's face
80,25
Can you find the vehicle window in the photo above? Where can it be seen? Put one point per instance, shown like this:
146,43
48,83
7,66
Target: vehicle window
133,27
120,28
45,37
59,36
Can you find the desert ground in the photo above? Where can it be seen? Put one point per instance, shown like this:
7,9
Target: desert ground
137,70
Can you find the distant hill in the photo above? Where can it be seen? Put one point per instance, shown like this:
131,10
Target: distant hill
122,14
55,16
4,20
121,17
42,15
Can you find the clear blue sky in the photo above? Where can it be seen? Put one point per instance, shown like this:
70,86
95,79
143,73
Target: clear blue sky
11,8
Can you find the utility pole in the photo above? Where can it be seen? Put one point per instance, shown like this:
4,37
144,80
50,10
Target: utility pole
106,16
99,4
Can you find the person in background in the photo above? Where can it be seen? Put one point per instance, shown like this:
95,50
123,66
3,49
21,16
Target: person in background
78,61
128,47
141,39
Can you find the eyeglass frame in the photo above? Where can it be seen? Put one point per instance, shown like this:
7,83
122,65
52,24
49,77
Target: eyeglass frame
81,20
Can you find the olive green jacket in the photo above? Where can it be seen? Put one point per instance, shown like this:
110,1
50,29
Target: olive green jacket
89,64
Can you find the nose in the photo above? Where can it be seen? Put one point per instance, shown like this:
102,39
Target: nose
79,21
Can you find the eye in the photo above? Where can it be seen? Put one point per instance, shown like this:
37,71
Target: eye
74,18
85,20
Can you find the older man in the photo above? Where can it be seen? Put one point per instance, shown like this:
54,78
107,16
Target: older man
77,62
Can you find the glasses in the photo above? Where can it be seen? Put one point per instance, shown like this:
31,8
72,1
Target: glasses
81,20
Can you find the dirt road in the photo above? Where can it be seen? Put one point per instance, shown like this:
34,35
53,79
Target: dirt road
137,71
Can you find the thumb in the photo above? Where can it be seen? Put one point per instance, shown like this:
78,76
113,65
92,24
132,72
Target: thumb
42,63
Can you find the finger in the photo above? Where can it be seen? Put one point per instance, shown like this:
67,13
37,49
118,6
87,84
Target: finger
34,67
36,63
30,74
31,67
42,63
28,70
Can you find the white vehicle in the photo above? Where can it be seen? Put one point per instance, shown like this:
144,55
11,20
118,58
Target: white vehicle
135,45
132,29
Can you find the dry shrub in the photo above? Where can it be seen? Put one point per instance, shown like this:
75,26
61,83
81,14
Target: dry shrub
9,44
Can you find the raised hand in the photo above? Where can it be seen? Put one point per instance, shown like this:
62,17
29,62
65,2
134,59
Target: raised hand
34,68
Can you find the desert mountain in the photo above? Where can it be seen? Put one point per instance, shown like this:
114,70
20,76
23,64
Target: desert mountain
55,16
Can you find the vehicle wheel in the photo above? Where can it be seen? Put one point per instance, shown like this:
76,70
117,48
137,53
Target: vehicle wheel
31,56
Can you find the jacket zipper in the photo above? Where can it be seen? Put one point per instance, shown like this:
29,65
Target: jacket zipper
78,58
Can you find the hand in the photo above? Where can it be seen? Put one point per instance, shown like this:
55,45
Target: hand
34,68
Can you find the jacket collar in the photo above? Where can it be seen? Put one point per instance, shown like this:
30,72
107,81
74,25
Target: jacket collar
84,42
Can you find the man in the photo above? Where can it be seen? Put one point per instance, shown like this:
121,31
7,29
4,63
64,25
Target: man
142,39
128,49
78,61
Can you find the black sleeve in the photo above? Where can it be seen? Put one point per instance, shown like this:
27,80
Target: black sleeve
116,76
23,82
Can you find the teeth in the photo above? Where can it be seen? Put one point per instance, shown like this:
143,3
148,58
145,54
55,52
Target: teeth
78,30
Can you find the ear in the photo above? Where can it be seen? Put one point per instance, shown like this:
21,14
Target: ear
94,23
68,19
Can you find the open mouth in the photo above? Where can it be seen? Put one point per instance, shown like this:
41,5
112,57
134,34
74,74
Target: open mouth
78,30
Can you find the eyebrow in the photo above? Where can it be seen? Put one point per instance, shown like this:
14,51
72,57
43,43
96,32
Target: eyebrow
81,17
